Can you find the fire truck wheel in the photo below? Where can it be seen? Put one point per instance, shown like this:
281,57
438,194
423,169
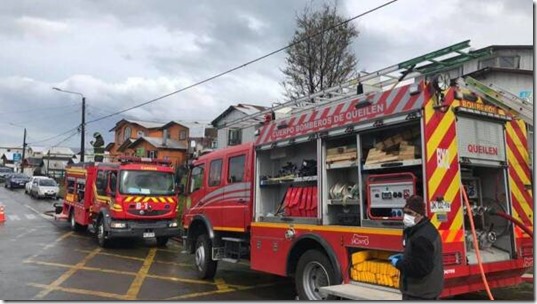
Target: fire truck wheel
313,271
162,241
205,266
74,225
103,242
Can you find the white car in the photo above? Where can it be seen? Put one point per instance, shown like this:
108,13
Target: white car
44,188
28,186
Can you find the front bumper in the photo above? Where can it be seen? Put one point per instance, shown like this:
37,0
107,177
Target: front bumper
144,229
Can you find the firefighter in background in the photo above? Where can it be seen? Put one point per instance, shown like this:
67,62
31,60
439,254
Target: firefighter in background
420,264
98,147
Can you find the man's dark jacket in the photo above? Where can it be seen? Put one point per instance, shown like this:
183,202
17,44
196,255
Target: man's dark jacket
422,270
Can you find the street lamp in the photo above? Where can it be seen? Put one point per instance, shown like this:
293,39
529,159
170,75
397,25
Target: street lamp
82,126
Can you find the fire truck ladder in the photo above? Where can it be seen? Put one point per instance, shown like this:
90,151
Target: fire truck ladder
500,98
428,64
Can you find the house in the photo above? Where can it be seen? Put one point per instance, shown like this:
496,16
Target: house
36,151
236,134
56,160
33,166
150,139
204,143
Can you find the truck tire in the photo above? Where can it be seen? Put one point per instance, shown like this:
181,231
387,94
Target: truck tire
74,225
205,266
162,241
100,233
313,271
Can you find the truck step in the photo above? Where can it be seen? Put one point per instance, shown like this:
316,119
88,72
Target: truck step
230,260
362,291
236,240
61,217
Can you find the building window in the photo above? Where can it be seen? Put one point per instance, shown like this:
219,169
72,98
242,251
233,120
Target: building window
234,137
236,169
215,173
214,144
127,133
152,154
506,62
140,133
166,133
182,135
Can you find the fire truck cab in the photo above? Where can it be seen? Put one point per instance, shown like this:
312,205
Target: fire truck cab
133,198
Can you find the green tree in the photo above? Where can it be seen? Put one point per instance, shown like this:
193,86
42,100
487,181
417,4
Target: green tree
323,60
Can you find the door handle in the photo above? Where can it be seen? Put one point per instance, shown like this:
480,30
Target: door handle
242,201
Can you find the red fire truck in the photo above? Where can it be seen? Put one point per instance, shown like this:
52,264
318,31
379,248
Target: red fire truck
134,197
319,195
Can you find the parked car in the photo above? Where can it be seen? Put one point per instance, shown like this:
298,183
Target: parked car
28,186
4,171
44,188
16,180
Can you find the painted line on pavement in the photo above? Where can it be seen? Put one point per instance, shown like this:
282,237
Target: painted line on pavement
208,293
37,212
67,275
136,285
221,284
23,234
50,245
13,217
81,291
137,259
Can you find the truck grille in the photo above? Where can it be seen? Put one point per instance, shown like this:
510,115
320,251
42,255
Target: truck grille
148,212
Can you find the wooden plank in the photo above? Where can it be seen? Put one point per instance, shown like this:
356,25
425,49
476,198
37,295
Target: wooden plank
362,291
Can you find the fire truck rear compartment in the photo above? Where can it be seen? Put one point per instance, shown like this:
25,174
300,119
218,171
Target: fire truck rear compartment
486,188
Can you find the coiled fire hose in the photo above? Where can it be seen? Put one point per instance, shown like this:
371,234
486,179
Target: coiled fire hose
476,246
512,219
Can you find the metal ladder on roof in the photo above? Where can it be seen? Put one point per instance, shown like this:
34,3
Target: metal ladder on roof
389,77
500,98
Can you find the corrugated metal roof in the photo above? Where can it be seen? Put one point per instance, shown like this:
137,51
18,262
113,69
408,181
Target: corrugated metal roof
61,151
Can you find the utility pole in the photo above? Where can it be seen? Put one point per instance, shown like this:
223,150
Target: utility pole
83,124
23,151
83,130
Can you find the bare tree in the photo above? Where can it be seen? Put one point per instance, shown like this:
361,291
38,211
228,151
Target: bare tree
323,60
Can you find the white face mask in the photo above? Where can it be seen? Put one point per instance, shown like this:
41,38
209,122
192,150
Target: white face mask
409,220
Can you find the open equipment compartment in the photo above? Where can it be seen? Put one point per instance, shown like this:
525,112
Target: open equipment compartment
392,171
341,184
286,183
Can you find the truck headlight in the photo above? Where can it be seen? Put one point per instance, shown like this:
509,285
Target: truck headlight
173,224
118,225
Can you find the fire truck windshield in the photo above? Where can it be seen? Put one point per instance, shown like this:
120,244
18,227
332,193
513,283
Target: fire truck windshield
146,182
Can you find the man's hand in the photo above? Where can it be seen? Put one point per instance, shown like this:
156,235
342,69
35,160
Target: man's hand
394,259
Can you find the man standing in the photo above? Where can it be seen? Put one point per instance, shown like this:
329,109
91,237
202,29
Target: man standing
420,264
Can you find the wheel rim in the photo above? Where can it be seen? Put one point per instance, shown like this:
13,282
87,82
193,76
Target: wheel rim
200,257
314,277
100,232
72,220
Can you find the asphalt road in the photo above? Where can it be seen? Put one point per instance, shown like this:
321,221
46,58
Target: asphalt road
42,259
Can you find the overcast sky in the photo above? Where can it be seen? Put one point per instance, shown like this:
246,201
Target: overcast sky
120,53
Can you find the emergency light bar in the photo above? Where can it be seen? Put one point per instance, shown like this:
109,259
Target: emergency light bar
133,159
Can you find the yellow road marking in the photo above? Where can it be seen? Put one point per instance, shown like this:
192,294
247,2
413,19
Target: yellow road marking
96,269
82,291
221,284
207,293
134,289
138,259
67,275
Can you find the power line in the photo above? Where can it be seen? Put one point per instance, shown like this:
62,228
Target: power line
64,140
55,136
243,65
34,110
